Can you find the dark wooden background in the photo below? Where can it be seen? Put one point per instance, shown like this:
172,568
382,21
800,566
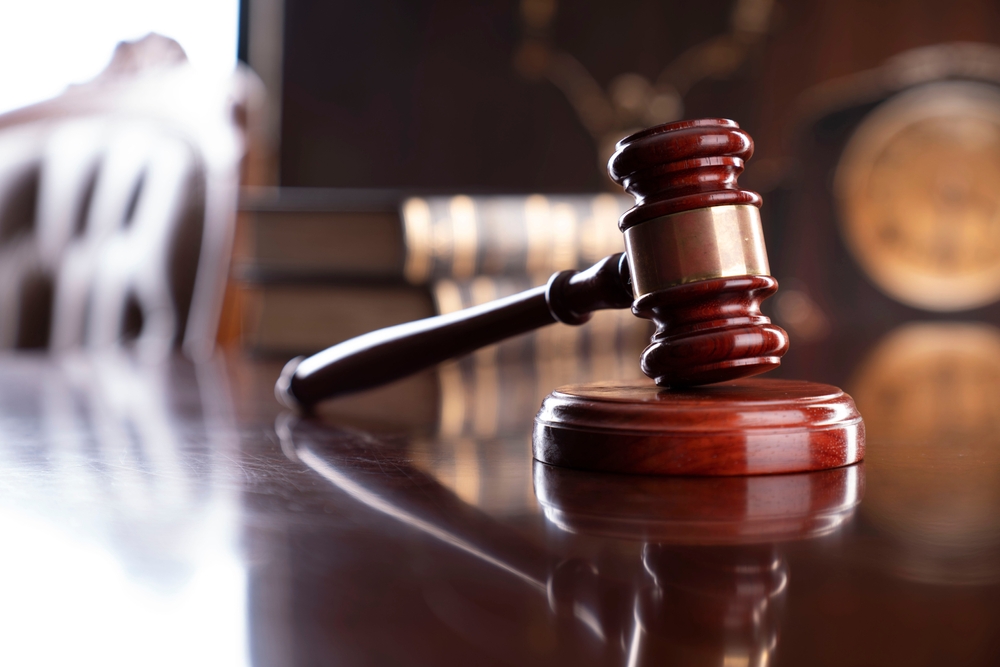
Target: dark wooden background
423,93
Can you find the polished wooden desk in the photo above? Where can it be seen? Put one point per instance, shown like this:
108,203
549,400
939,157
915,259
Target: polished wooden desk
173,515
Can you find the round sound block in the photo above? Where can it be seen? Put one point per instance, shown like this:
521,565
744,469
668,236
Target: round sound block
747,427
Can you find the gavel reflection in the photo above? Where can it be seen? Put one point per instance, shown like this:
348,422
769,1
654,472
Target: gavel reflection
711,580
695,264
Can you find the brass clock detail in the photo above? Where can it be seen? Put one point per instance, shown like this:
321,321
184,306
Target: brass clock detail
918,188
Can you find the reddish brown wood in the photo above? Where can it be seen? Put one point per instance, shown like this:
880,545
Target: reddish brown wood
711,331
719,601
745,427
699,510
682,166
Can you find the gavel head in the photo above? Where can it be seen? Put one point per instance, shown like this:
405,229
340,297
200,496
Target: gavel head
696,253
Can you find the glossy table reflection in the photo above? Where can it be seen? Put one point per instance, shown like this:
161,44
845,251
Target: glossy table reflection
173,515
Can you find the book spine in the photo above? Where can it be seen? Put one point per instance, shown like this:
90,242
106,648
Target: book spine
460,237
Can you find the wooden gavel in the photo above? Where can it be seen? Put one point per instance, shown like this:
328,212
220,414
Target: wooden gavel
695,264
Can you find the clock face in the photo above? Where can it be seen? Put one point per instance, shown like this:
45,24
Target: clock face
918,187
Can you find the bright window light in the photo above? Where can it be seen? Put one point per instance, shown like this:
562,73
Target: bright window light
46,45
69,600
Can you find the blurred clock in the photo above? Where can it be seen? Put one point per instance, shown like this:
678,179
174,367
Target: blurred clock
918,188
889,211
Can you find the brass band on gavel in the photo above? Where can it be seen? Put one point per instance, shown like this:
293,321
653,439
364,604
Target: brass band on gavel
700,244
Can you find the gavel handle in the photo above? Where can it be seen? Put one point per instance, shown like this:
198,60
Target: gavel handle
389,354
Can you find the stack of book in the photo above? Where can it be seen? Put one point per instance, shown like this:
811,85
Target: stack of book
316,267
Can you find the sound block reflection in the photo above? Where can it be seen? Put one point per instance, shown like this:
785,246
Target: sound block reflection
746,427
717,578
698,510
